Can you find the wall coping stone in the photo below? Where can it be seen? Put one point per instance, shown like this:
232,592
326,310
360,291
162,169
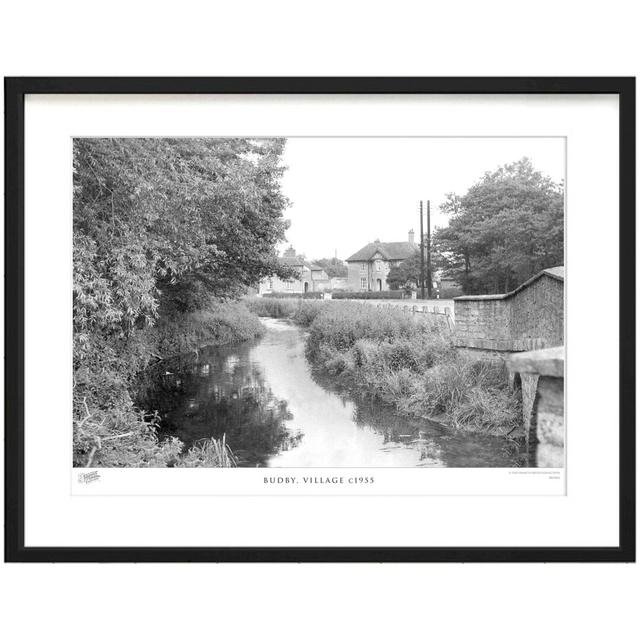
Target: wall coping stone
543,362
557,273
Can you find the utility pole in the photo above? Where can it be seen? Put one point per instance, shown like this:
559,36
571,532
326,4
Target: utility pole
429,278
421,254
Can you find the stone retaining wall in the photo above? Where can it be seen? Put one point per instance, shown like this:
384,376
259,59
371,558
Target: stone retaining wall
530,317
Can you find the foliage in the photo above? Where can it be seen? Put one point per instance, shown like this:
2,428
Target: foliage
163,231
306,312
342,325
412,365
447,293
209,453
367,295
404,361
170,217
271,307
109,431
308,295
302,312
222,323
334,267
505,229
406,274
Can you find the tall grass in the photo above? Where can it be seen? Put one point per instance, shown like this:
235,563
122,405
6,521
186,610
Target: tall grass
221,323
108,429
209,453
302,312
342,324
412,364
405,361
272,307
369,295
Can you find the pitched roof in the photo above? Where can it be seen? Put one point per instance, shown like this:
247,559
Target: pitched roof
389,250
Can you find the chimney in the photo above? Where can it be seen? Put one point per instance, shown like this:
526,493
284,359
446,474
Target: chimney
411,236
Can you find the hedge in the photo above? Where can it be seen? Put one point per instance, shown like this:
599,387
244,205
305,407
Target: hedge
309,295
368,295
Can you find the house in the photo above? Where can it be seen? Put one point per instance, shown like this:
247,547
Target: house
309,276
367,269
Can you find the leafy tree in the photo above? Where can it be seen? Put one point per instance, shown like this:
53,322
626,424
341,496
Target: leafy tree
334,267
162,228
171,217
506,228
407,273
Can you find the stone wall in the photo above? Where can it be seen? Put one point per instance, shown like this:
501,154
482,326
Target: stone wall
482,323
531,317
537,313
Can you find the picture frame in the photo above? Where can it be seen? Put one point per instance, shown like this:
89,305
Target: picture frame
16,320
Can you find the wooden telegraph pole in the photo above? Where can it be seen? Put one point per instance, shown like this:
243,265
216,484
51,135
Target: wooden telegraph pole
421,255
429,278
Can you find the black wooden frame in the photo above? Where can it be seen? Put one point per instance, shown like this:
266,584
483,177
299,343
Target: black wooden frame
15,91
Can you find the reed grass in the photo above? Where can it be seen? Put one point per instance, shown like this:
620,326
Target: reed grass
209,452
405,361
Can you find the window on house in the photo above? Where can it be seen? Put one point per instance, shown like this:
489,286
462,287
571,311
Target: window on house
362,266
270,283
363,283
289,284
378,265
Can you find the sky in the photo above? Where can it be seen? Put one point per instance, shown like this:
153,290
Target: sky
346,192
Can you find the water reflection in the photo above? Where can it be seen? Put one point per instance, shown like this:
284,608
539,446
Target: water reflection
221,393
276,411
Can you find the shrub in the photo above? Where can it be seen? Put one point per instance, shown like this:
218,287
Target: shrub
272,307
221,323
302,312
308,295
307,311
118,436
109,431
209,453
472,393
450,292
368,295
341,325
412,365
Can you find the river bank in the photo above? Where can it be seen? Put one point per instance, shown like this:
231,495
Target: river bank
406,363
110,428
380,363
276,409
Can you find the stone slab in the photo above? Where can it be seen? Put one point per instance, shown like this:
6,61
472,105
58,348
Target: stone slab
544,362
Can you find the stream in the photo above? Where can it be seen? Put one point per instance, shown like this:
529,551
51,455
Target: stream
276,411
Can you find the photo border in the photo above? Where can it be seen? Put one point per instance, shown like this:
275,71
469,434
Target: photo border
15,91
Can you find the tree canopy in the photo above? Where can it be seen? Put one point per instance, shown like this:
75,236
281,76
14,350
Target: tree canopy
165,232
407,273
334,267
172,221
506,228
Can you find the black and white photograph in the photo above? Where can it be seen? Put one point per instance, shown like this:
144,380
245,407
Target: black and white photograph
320,321
318,302
389,317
